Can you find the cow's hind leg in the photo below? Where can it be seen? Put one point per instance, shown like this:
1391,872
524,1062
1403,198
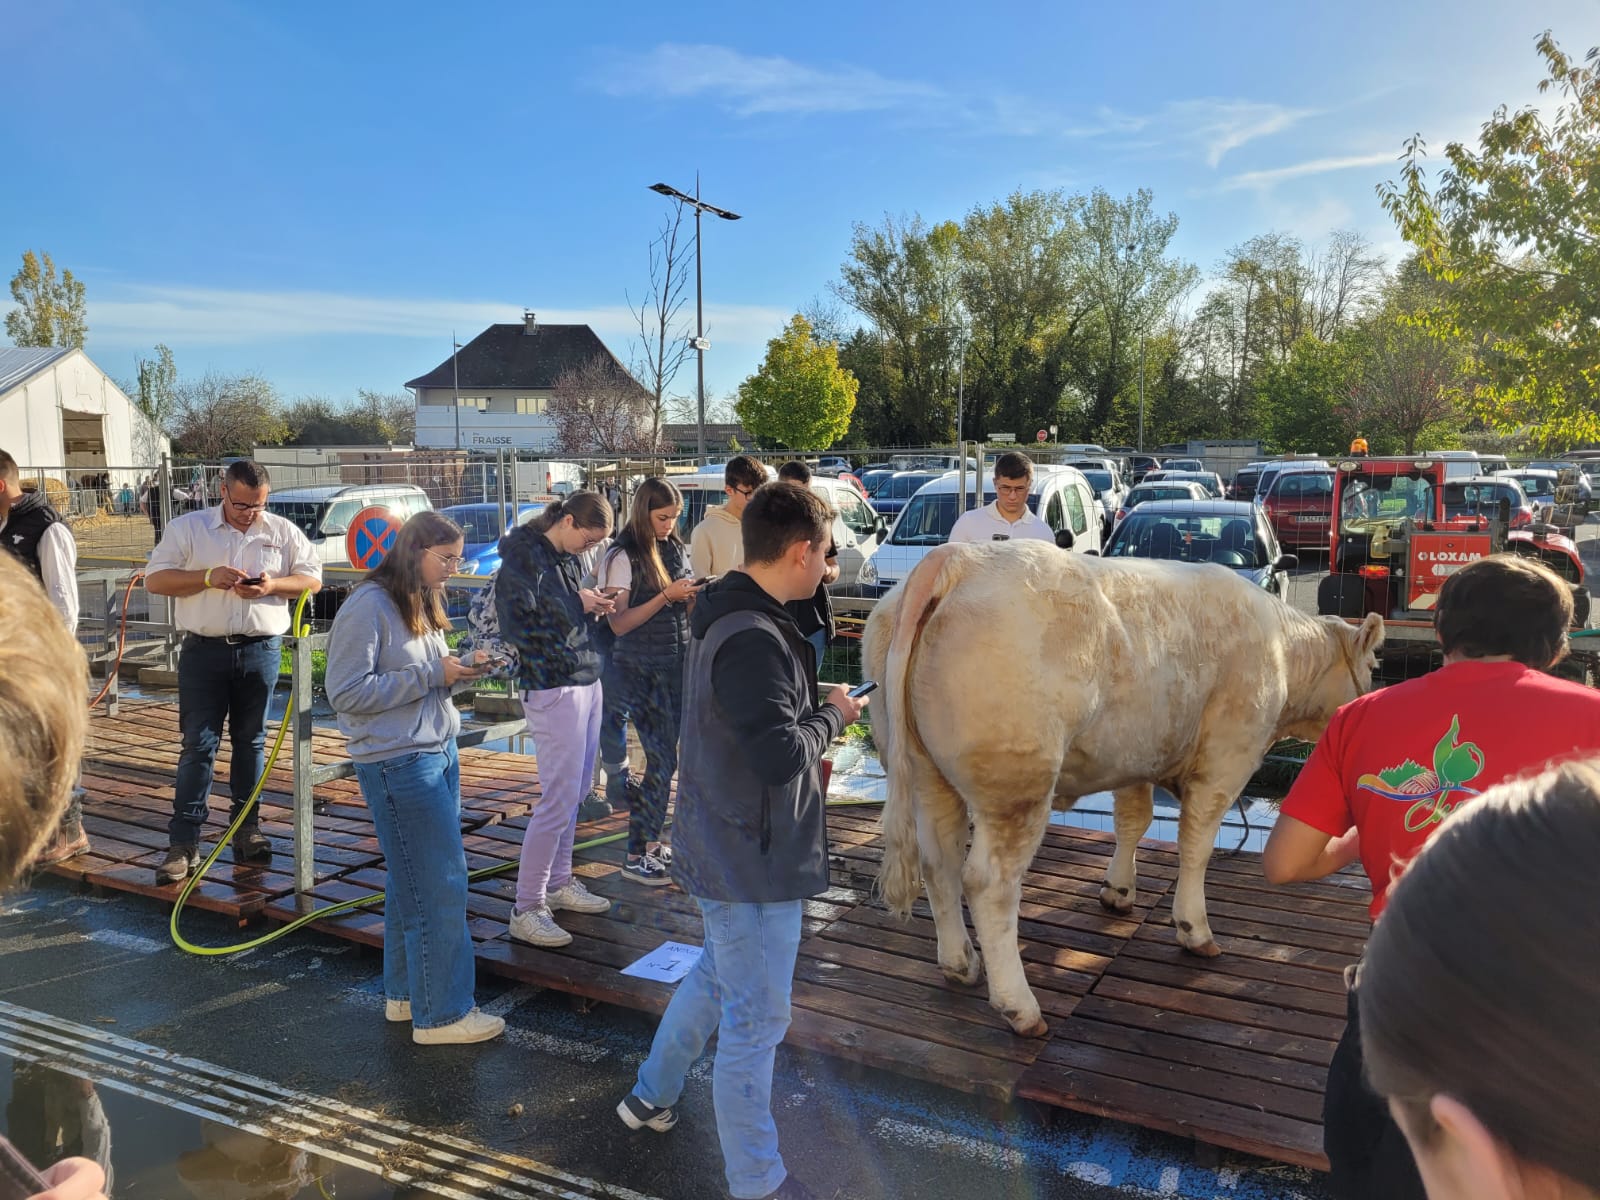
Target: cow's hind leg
1004,840
1134,807
942,840
1200,814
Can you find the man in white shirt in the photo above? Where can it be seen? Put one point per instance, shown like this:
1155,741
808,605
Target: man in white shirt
34,533
1008,516
233,571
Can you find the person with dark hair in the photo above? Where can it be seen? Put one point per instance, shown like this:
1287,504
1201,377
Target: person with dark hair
390,675
751,839
814,615
1007,516
33,533
1479,995
1396,762
44,680
716,546
550,618
232,571
647,574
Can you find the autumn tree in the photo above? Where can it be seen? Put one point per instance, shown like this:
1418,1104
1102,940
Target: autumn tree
664,343
155,396
597,407
800,398
50,310
218,414
1510,228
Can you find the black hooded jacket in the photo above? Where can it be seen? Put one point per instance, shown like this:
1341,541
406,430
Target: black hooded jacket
750,825
540,613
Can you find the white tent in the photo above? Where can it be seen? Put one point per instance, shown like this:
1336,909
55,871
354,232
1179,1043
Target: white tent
60,415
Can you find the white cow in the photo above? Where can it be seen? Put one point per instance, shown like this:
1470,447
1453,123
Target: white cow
1017,676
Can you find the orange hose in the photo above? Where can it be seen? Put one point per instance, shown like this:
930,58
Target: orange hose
122,639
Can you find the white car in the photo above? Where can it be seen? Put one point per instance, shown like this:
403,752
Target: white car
1061,495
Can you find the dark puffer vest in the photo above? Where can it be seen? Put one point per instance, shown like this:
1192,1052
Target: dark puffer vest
25,525
662,642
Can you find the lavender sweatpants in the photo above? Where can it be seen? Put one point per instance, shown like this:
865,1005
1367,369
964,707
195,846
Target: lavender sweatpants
565,726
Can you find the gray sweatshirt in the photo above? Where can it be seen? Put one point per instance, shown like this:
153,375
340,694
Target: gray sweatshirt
385,683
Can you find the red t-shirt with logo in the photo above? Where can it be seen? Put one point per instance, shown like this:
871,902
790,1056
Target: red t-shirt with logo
1395,762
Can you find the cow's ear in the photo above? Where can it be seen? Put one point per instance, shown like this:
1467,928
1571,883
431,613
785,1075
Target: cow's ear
1370,636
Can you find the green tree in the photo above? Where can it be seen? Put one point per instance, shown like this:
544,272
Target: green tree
1510,230
156,397
1304,401
50,310
227,414
800,398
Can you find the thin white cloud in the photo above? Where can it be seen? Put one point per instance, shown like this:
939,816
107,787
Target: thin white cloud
1263,180
141,316
748,85
1213,126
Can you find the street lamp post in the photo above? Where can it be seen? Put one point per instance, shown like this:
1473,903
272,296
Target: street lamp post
700,344
455,385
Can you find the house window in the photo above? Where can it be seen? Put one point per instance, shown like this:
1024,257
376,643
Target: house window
532,405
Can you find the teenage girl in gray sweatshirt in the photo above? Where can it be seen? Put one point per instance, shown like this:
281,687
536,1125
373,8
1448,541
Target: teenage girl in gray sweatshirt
389,680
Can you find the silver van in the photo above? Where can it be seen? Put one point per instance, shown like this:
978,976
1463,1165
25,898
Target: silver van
324,514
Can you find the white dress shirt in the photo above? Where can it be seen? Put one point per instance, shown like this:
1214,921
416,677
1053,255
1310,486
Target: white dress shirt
987,525
58,566
199,540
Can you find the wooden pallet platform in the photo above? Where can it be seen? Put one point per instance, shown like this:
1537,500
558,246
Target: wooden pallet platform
1232,1051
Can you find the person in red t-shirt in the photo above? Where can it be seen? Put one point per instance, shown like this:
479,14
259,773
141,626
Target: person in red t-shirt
1394,763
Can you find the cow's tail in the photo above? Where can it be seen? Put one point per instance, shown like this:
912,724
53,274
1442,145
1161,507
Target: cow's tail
900,879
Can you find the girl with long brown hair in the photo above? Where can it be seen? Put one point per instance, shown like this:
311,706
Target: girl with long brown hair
389,679
648,571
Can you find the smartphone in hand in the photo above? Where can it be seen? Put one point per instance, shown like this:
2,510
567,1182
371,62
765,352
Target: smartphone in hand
705,579
865,688
253,580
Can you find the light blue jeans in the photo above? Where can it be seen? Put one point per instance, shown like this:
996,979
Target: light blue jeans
415,801
739,990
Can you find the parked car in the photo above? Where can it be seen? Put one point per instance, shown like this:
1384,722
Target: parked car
872,478
1273,469
1230,533
1458,464
1299,507
1061,495
1243,484
857,530
1140,465
1108,490
482,526
831,464
1472,502
895,494
1143,493
1210,480
324,513
1184,464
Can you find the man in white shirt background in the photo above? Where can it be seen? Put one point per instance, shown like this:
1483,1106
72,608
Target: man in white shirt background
34,533
717,544
234,571
1007,517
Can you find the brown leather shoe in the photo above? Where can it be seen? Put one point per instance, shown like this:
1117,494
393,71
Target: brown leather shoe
68,841
251,845
175,867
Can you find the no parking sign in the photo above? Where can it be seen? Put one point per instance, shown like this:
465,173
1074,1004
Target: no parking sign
370,536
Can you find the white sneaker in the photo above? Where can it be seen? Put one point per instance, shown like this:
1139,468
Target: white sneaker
397,1010
476,1026
576,898
538,927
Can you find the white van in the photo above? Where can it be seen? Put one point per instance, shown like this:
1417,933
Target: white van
324,514
857,530
1458,464
1061,495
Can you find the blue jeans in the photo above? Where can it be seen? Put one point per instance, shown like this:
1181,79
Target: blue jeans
217,683
415,801
739,990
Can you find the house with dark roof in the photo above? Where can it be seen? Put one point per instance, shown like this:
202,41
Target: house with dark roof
495,392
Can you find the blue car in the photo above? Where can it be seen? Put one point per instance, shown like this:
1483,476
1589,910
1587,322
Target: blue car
482,526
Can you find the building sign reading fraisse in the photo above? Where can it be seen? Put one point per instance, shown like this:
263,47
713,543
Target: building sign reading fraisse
371,536
1434,558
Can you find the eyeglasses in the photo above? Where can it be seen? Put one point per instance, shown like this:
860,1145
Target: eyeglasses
746,492
453,561
244,508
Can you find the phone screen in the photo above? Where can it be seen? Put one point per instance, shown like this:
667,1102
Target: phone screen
865,688
253,580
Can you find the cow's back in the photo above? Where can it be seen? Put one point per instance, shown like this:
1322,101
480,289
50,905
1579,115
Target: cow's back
1116,669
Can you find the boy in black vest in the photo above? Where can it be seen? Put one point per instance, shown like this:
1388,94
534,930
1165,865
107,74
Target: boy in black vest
750,842
34,533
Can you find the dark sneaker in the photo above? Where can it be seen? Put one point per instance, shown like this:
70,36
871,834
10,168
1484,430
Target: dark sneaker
790,1189
623,791
251,845
664,853
175,867
636,1114
68,841
646,869
594,808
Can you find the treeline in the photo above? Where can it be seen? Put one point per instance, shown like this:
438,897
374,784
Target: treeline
1048,308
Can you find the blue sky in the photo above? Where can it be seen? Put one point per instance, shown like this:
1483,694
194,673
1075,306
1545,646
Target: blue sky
320,192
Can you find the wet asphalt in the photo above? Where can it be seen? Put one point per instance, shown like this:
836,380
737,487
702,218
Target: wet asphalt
306,1012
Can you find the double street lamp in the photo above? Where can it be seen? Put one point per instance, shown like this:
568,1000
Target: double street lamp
700,344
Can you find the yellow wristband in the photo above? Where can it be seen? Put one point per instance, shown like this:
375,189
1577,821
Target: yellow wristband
208,577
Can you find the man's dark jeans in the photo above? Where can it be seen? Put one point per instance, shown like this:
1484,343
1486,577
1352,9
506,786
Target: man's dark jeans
1366,1150
216,683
